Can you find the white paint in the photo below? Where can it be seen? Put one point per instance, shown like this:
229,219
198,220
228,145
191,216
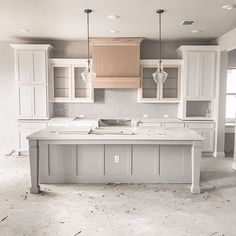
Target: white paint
227,41
117,158
220,104
69,22
8,100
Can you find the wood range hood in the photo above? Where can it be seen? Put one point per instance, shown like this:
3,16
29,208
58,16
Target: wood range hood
116,62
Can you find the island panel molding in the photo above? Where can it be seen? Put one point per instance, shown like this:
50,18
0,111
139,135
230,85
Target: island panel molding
56,157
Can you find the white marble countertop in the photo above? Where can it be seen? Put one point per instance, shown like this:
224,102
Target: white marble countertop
139,133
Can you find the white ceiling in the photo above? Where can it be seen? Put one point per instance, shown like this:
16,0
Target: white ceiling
65,19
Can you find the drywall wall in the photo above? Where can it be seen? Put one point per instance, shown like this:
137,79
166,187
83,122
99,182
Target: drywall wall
105,98
232,59
220,108
118,103
227,41
8,101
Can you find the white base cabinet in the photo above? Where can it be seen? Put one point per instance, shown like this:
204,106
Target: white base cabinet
25,129
205,129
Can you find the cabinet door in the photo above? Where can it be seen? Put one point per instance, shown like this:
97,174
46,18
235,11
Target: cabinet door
39,67
25,101
150,90
24,66
26,129
208,143
61,78
81,89
208,73
40,101
170,88
23,142
192,74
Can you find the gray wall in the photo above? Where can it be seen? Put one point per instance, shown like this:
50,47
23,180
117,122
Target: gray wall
232,59
229,137
110,103
118,103
8,101
121,103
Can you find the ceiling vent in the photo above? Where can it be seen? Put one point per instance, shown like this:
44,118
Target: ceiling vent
188,22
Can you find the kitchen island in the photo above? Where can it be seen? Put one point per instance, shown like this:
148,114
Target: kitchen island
137,155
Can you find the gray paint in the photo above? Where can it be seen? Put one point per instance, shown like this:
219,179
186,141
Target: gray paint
115,103
118,103
8,100
93,163
71,49
232,58
220,116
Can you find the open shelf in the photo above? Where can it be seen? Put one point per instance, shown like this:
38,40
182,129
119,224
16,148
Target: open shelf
198,109
62,82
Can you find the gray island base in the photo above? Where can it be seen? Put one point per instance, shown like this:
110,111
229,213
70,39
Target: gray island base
149,155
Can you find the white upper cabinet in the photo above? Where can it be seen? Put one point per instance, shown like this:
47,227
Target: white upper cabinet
39,67
66,83
31,71
208,60
168,92
24,66
199,71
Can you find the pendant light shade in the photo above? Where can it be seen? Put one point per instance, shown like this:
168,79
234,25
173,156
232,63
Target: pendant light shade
160,75
88,75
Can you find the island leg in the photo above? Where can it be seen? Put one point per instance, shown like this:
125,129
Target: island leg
196,161
34,166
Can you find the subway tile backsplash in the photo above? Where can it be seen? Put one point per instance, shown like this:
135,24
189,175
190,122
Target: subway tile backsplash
115,103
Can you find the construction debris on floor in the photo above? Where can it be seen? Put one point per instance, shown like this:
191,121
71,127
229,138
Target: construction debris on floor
118,209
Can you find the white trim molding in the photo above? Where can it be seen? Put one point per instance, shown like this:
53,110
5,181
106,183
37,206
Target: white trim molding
219,154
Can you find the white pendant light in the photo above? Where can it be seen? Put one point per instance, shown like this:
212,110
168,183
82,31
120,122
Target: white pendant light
160,75
88,75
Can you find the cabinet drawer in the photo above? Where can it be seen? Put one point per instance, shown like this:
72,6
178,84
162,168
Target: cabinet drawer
32,125
83,124
150,124
56,124
200,125
173,125
208,142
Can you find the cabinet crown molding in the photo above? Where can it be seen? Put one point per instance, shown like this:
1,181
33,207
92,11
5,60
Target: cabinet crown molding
31,46
198,48
116,40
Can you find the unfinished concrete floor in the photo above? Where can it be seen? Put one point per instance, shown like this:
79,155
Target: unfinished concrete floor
120,210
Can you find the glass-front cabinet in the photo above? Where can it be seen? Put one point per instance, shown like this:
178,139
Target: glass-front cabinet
151,92
66,83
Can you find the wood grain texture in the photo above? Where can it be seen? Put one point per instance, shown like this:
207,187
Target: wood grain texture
116,62
116,82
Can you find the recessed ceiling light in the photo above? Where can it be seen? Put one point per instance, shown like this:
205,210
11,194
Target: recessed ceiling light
196,31
113,17
114,31
229,7
24,30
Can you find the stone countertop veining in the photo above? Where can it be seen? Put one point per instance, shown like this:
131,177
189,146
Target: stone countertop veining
139,133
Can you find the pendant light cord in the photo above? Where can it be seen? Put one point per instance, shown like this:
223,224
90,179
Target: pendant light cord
88,42
160,60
